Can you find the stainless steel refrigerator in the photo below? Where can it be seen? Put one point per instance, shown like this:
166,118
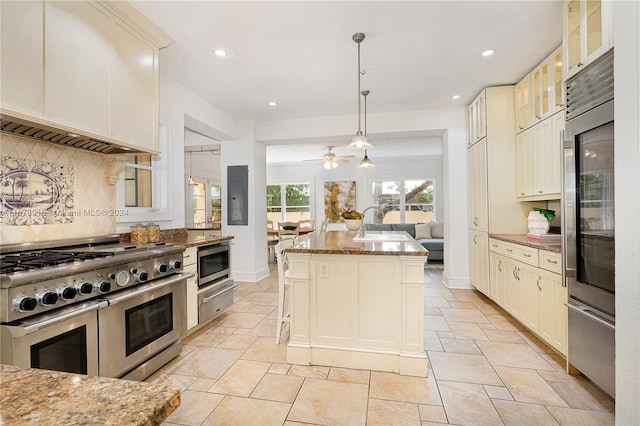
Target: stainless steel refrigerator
588,222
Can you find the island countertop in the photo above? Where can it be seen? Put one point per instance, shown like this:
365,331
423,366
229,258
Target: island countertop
34,396
341,242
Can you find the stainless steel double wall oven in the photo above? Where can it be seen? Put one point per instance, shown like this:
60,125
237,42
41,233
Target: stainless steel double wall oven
92,306
589,226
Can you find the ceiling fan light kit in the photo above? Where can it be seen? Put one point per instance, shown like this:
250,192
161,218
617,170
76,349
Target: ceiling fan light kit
359,141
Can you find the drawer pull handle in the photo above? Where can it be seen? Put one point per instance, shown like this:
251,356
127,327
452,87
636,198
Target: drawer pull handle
526,255
555,262
495,245
510,251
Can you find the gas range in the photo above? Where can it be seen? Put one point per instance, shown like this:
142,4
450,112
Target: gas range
40,277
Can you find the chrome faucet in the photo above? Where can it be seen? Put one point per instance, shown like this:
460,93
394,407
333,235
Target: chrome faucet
361,231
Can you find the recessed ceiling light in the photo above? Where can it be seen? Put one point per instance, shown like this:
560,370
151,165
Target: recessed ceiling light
220,52
272,103
455,97
488,52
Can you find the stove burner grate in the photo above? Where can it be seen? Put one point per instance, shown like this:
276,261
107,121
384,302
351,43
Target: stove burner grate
20,262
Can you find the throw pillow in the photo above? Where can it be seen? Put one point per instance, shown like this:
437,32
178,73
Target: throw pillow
423,230
437,229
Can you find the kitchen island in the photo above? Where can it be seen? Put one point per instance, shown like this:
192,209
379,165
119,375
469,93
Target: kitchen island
358,304
39,397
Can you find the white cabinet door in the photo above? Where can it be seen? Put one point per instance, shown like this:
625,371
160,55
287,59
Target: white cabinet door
77,65
479,260
497,278
133,89
523,103
587,33
543,157
529,285
524,163
553,312
477,168
21,61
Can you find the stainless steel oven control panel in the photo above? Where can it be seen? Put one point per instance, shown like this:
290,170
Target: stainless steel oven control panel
42,296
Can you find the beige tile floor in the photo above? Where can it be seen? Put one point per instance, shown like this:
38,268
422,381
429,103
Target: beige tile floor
484,369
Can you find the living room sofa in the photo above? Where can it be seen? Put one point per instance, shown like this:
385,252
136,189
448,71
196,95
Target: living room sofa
430,235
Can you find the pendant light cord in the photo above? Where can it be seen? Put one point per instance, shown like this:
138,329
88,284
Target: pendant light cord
359,108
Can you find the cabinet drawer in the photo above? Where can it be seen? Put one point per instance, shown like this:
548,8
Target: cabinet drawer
551,261
496,246
190,256
523,254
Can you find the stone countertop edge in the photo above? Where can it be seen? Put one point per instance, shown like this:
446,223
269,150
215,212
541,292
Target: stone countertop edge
522,240
34,396
341,242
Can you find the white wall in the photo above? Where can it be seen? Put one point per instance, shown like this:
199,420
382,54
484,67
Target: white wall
389,168
626,25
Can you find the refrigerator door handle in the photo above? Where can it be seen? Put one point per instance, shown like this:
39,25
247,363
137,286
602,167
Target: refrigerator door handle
589,313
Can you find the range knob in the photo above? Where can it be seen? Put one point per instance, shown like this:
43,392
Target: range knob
25,303
161,268
102,287
141,276
48,298
85,288
175,265
67,293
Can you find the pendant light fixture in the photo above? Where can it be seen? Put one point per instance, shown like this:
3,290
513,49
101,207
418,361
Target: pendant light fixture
190,181
359,141
366,163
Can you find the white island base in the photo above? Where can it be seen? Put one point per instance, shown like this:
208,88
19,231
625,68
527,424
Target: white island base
357,310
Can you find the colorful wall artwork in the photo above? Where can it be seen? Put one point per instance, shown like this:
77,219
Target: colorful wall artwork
338,198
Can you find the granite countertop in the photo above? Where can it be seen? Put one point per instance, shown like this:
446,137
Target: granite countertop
341,242
199,240
34,396
522,240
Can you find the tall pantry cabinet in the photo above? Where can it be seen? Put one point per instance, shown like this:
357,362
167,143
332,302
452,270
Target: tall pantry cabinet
491,157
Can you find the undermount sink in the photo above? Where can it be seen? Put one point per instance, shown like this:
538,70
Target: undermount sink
383,237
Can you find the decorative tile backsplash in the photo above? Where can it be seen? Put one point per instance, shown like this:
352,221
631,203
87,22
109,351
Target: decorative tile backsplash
49,192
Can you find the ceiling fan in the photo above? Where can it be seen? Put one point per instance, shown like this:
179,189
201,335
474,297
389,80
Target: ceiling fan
331,160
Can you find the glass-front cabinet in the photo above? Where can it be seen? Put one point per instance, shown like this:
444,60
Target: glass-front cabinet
587,33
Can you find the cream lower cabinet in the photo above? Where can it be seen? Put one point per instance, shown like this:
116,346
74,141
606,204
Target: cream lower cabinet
479,260
189,264
532,294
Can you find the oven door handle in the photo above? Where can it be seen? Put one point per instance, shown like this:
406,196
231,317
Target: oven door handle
19,331
210,298
149,287
589,313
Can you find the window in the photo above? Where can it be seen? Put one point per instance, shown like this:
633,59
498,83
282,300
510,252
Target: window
288,202
137,181
206,205
143,193
407,201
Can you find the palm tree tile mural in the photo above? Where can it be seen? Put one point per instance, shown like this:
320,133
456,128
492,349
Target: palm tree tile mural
35,192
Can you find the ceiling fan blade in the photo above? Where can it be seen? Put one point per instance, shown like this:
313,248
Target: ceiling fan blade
344,156
340,160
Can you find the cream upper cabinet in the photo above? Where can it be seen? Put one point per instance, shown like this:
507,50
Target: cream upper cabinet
476,119
546,86
477,186
523,103
539,160
21,60
134,94
587,33
77,48
86,67
524,163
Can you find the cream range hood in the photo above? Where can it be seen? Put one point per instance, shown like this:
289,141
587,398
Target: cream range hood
55,134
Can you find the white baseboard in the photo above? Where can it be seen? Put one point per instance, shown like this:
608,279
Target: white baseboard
456,282
250,277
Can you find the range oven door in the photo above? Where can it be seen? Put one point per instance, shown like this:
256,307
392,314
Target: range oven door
65,341
140,324
213,263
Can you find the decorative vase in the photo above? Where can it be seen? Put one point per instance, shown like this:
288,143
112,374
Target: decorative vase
537,223
353,224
